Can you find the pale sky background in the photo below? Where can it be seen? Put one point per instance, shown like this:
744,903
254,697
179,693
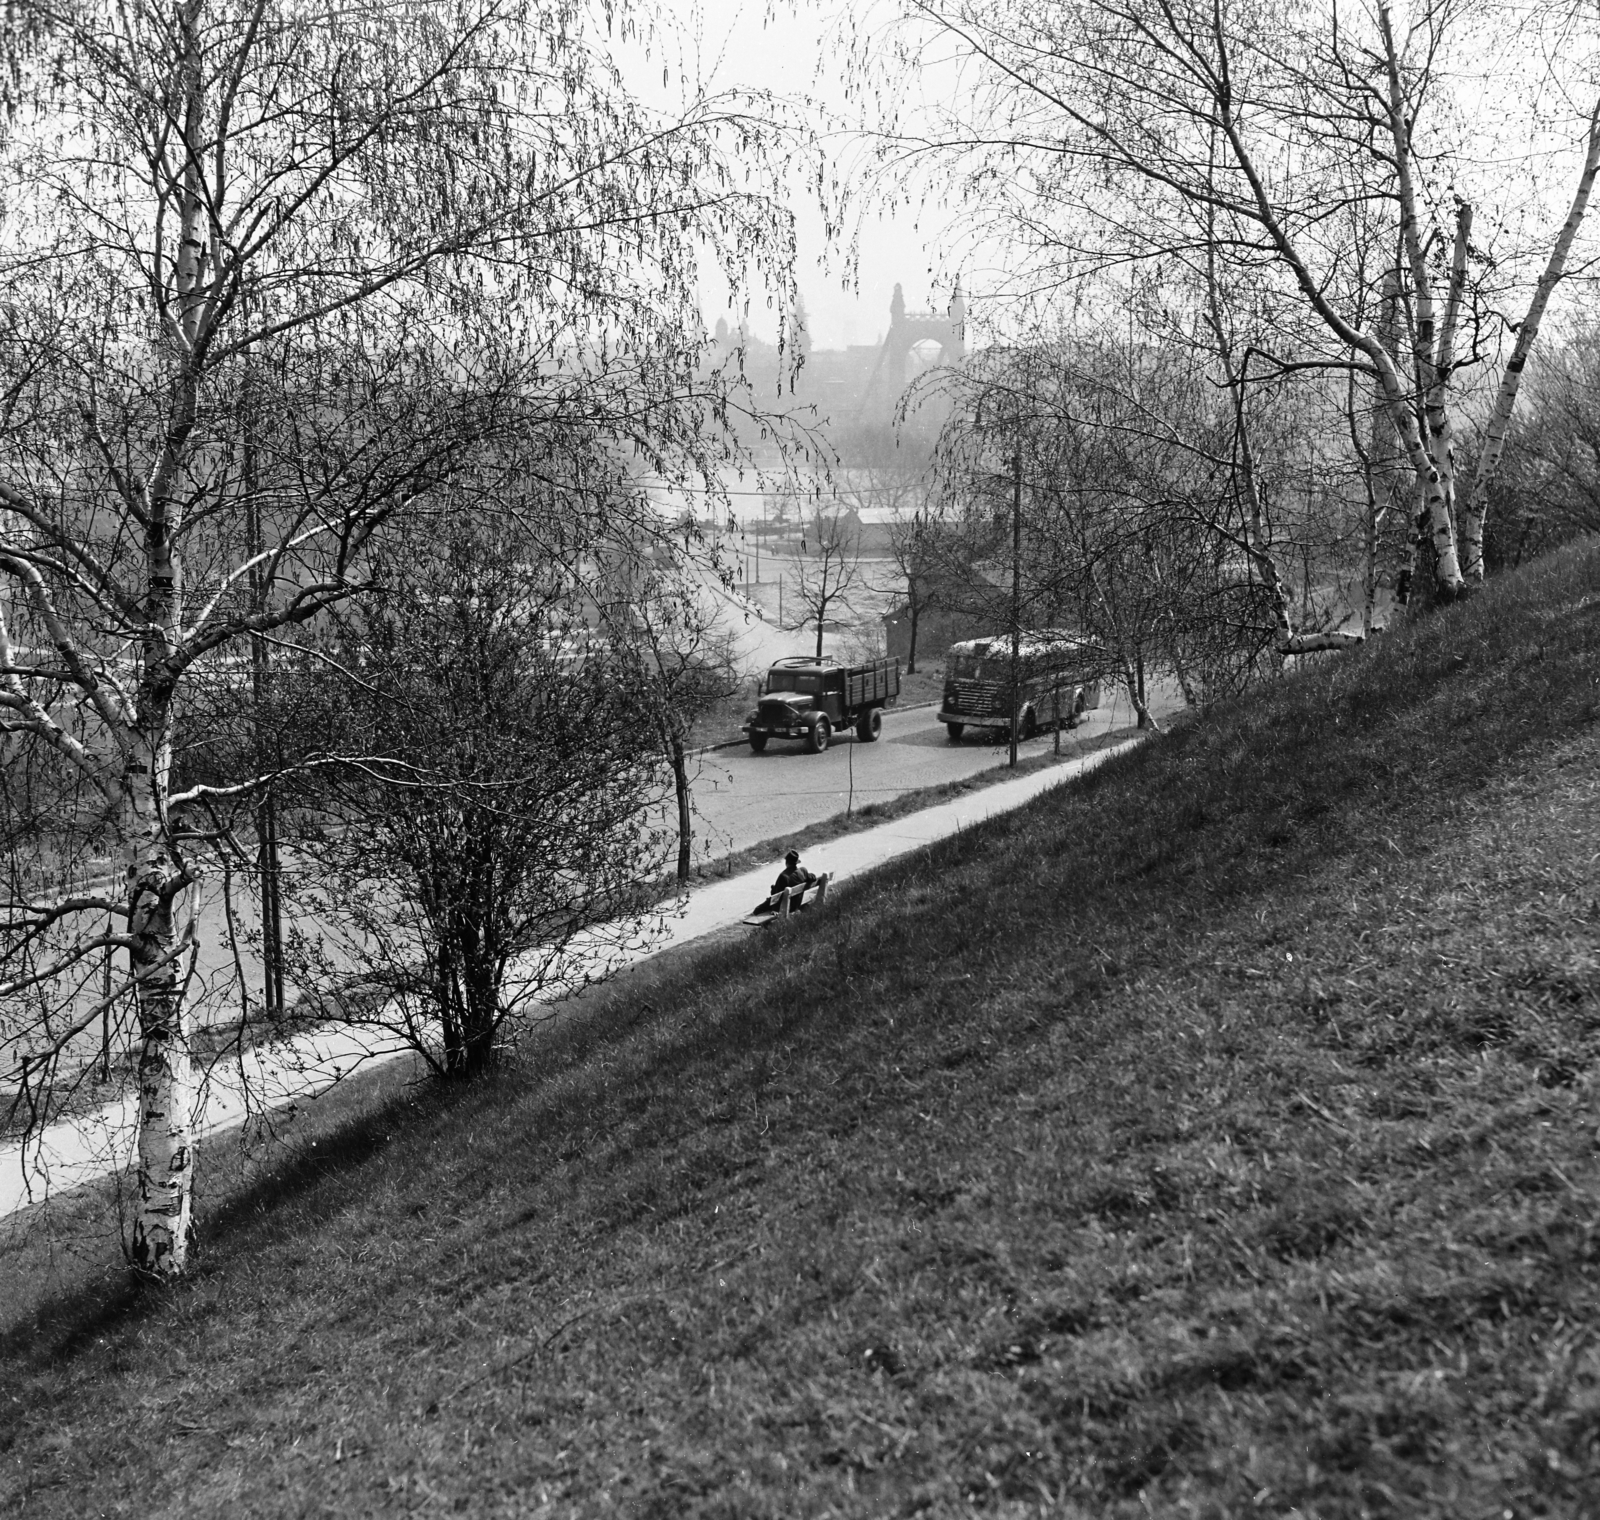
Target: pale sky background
797,50
800,48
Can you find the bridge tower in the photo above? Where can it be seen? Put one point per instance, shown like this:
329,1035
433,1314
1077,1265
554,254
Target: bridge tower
906,330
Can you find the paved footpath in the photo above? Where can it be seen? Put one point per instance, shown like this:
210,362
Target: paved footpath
75,1152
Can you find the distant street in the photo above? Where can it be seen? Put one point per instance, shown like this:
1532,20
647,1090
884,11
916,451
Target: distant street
740,798
744,798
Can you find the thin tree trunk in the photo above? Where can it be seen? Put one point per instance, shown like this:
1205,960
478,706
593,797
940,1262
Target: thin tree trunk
680,787
482,1005
1180,669
1440,365
1368,455
1133,683
1494,435
1016,593
1287,641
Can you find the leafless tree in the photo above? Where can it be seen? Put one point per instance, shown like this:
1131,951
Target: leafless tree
825,576
496,848
686,670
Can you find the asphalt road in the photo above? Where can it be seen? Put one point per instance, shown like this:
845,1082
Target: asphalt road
744,798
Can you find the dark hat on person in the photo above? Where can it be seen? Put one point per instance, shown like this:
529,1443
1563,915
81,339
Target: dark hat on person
791,857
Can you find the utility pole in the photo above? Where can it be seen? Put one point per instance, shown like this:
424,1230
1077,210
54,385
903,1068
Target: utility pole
266,807
1016,585
105,1010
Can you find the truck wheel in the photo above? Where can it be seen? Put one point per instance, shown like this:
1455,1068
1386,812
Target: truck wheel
758,742
869,725
954,730
817,738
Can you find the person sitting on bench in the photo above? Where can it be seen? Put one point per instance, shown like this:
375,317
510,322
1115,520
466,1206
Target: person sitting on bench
794,874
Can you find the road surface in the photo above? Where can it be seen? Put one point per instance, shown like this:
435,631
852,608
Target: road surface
744,798
740,800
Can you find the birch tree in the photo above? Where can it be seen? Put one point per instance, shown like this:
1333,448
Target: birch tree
273,274
1101,132
926,554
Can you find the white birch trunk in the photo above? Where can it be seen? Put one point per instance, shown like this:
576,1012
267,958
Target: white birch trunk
156,875
1437,367
162,1225
1476,506
1428,455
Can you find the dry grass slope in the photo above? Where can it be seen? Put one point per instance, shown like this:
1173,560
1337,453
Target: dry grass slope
1218,1137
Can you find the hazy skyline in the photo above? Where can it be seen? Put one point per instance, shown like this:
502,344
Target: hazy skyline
743,46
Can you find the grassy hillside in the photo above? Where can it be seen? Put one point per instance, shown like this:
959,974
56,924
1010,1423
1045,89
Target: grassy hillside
1217,1137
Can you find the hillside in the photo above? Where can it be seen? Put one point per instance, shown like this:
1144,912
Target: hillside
1216,1137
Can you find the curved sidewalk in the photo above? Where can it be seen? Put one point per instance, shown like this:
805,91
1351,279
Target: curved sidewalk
726,902
74,1152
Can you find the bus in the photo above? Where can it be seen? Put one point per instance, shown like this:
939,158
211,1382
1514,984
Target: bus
1058,679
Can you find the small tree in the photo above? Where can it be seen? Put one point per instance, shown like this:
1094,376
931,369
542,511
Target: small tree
896,484
824,580
919,546
505,810
686,670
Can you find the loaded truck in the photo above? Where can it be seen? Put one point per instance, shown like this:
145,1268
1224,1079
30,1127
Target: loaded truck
1057,680
814,699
